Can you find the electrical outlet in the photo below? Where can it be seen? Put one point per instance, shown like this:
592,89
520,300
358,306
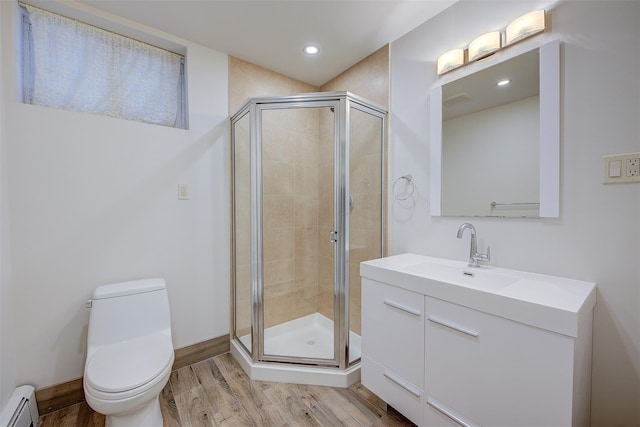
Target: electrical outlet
621,168
633,167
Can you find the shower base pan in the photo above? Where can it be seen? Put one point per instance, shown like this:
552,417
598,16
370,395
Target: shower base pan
308,337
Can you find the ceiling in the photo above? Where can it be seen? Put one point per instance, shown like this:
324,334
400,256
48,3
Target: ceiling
272,33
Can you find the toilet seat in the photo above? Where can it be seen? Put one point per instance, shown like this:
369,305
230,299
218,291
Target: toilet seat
130,367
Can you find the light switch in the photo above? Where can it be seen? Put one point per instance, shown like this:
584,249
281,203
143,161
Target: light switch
183,192
615,168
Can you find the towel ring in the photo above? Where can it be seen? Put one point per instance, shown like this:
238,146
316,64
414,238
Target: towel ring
410,184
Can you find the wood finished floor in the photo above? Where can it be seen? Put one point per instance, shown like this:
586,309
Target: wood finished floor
217,392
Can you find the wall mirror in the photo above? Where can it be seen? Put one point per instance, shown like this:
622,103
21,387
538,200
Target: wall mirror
494,149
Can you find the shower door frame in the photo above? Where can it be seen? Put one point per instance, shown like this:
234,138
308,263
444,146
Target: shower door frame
284,103
342,102
354,102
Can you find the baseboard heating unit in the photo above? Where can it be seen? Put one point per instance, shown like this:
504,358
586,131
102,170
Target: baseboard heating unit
21,409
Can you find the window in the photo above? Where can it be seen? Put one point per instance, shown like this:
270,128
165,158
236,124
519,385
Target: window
74,66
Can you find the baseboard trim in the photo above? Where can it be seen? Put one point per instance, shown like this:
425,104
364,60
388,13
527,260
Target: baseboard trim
200,351
59,396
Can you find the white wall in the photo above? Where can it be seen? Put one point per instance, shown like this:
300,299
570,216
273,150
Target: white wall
7,348
481,149
93,200
597,236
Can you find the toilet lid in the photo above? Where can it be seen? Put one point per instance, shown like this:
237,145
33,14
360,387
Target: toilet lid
129,364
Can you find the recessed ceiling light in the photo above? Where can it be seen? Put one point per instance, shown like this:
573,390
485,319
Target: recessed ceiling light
504,82
311,49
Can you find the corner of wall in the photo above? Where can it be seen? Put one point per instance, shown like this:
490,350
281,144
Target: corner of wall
7,354
368,78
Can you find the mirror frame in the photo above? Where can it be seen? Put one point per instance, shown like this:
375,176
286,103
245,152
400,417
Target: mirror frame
549,175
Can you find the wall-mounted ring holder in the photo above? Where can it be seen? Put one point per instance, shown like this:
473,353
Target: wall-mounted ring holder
405,192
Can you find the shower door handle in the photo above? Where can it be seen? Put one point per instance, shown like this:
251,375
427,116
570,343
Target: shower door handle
333,236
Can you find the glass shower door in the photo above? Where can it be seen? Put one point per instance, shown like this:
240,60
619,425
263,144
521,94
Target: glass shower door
297,156
366,152
242,231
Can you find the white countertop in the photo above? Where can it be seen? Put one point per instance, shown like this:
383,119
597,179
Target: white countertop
553,303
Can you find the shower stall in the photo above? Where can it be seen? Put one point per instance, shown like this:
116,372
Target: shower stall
308,200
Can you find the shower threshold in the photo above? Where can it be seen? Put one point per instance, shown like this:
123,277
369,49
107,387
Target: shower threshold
306,337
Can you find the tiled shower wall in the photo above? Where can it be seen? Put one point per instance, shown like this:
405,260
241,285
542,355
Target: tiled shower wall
290,213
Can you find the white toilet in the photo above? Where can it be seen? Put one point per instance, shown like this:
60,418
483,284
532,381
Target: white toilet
129,352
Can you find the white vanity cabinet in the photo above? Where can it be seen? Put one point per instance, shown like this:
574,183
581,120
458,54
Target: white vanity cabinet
494,351
497,371
393,360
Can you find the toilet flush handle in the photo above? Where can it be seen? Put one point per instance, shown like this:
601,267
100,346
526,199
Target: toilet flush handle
88,304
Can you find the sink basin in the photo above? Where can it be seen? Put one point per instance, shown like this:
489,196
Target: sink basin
552,303
482,278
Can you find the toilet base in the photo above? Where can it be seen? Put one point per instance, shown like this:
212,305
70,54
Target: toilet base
148,415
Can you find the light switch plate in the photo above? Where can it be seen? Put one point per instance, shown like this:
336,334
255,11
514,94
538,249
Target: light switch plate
615,168
621,168
183,192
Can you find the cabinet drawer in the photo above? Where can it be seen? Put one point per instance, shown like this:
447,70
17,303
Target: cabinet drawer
496,371
393,329
396,391
440,415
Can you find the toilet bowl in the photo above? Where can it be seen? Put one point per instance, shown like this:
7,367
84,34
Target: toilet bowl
129,352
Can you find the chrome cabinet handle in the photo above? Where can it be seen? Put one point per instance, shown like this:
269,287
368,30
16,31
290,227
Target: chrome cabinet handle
453,326
333,236
402,383
402,307
435,405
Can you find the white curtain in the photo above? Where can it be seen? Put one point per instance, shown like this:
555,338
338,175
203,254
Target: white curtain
84,68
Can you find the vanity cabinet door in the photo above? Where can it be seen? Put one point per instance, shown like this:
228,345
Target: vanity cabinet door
393,346
495,371
393,329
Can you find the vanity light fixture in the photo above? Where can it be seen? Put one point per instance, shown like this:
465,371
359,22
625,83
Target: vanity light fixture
485,45
311,49
450,60
482,46
525,26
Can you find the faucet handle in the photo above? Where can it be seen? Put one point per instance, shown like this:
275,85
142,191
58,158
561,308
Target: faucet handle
483,257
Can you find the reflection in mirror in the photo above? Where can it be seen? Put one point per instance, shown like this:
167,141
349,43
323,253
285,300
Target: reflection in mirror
490,132
495,139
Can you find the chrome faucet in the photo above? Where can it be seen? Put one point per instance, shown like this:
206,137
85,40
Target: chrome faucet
474,255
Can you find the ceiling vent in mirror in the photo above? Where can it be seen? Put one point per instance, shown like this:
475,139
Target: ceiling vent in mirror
456,99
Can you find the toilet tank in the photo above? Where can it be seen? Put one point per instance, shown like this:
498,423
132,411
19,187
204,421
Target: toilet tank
126,310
